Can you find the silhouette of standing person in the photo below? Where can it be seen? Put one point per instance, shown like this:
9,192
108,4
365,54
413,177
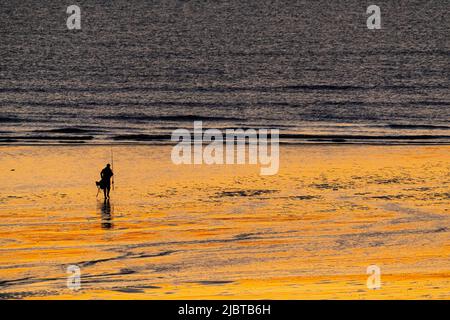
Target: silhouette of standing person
105,182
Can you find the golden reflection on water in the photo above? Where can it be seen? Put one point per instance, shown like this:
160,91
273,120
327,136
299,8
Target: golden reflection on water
225,231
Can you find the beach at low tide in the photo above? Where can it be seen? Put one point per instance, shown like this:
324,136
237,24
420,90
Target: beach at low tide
225,231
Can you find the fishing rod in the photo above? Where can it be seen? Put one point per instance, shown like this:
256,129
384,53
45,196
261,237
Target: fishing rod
112,167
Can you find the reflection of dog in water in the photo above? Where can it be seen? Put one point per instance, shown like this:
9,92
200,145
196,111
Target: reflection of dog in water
105,211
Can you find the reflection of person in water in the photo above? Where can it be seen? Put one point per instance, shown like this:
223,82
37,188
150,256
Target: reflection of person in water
105,210
105,182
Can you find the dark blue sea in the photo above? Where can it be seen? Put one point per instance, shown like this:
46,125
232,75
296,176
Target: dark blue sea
139,69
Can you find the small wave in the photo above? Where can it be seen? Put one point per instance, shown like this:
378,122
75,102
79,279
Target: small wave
418,126
217,89
8,140
10,120
141,137
176,118
362,137
45,138
168,88
384,103
67,130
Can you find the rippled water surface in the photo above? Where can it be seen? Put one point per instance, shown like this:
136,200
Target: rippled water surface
139,69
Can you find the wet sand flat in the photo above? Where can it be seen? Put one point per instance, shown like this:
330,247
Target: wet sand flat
224,231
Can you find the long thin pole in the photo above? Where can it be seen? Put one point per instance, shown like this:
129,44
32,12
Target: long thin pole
112,167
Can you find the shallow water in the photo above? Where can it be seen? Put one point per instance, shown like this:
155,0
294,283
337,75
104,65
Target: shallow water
225,231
